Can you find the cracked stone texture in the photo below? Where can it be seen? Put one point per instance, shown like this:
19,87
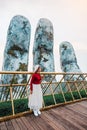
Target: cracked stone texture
43,46
16,53
68,61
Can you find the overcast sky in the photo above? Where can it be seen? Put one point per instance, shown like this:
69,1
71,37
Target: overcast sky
69,18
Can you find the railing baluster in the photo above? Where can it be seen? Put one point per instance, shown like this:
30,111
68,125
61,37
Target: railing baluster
78,90
70,91
12,100
62,93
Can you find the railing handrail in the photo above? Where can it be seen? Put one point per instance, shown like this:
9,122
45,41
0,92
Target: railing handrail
57,73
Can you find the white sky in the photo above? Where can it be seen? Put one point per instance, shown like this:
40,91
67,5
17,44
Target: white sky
69,18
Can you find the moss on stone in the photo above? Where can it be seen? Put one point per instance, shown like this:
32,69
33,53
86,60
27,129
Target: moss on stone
22,67
11,52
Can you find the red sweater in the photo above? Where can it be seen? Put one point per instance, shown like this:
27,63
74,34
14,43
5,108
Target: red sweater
35,79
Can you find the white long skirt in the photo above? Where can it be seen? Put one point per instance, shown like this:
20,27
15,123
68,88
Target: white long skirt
36,98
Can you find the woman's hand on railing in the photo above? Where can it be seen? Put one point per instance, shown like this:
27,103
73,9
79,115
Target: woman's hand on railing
42,76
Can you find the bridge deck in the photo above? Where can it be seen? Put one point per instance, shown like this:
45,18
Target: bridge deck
68,117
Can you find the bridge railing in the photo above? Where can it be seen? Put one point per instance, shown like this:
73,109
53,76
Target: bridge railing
58,89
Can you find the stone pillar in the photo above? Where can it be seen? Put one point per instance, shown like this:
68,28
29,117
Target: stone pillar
43,46
16,53
43,49
68,60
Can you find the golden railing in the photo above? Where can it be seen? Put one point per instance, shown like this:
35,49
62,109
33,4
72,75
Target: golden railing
58,89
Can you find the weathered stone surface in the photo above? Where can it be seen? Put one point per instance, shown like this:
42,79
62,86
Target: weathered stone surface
43,49
68,60
43,46
16,51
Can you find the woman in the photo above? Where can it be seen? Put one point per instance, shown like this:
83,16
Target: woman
35,97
